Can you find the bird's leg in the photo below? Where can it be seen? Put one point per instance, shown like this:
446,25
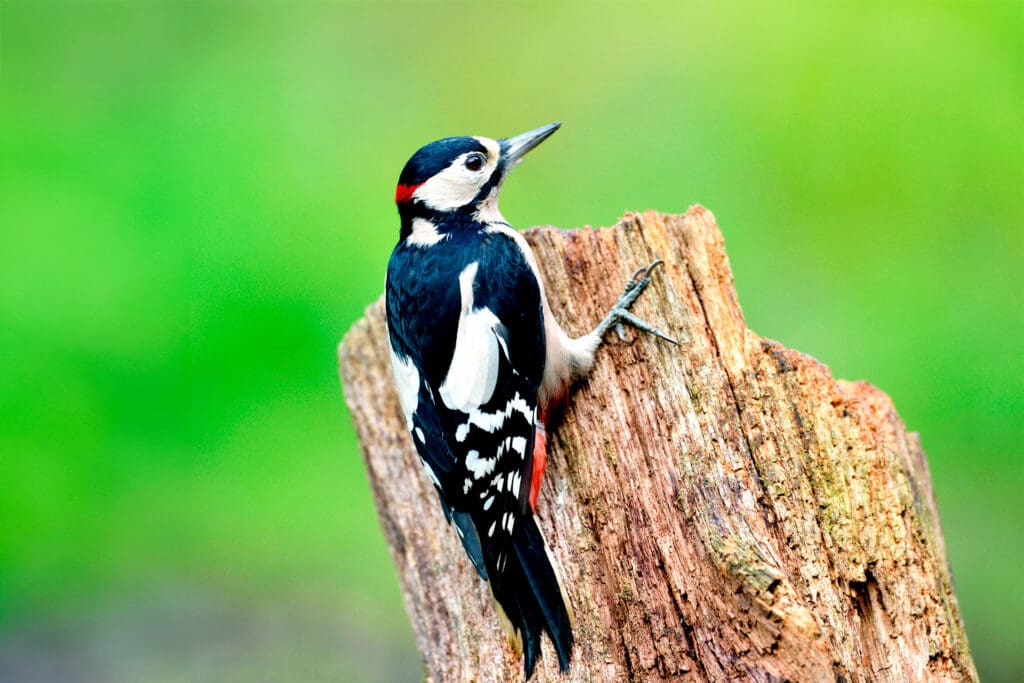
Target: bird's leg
574,358
579,360
620,314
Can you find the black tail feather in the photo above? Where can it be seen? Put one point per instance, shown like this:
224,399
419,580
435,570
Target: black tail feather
528,590
470,540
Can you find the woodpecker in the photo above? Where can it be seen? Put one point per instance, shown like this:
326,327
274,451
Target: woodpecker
480,364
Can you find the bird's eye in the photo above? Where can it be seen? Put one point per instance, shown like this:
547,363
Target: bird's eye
474,162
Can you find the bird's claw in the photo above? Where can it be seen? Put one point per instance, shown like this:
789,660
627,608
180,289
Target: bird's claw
626,316
644,273
620,314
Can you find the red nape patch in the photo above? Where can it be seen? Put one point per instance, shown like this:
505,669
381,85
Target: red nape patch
540,461
403,193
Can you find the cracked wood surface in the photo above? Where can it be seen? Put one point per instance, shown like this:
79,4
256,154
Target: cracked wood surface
721,510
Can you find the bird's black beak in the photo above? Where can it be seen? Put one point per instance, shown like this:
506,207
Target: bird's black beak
515,148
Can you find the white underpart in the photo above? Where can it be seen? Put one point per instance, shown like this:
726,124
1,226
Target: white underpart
424,233
407,381
566,358
456,185
469,382
487,210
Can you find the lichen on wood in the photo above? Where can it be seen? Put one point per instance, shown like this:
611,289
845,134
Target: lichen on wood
721,510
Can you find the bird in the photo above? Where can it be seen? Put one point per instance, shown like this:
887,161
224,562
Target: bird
480,365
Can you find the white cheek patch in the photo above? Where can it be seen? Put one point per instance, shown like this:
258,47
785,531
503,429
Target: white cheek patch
456,185
453,187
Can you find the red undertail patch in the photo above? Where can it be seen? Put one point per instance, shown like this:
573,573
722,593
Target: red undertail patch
540,461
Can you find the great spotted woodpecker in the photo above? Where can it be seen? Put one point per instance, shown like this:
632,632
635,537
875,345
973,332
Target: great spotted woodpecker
480,362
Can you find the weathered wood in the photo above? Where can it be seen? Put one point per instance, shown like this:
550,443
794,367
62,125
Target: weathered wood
720,510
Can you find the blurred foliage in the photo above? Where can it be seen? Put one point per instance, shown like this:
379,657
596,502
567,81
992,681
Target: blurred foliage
196,204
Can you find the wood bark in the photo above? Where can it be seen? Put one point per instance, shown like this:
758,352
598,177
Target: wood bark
721,510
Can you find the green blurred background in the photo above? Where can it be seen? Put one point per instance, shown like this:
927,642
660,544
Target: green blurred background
197,203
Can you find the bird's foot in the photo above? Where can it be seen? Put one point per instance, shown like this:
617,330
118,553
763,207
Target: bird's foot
620,314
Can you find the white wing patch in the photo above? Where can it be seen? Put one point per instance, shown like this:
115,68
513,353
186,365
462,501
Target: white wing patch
480,467
470,380
407,380
491,422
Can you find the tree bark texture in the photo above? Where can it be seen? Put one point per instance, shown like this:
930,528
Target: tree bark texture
721,510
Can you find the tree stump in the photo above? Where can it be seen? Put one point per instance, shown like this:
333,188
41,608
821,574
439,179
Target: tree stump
721,510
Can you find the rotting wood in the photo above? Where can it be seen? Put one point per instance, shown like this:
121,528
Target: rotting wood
721,510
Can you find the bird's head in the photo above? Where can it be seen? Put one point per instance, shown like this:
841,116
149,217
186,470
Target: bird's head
462,175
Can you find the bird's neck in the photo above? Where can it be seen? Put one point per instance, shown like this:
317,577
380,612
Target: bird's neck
426,226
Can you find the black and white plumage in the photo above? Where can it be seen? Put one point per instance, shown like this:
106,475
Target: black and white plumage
478,358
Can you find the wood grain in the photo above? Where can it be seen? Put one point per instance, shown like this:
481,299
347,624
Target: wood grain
721,510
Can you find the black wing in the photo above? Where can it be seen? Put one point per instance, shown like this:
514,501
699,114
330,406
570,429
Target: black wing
472,338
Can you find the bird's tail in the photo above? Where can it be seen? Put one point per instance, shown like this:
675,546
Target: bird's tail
529,595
